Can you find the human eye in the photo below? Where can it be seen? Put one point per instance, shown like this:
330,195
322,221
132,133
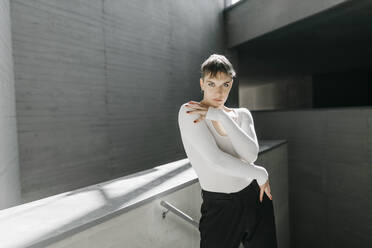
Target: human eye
227,84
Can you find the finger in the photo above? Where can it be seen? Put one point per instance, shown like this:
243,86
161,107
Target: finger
269,193
194,103
194,107
198,103
197,106
198,120
202,113
196,111
261,194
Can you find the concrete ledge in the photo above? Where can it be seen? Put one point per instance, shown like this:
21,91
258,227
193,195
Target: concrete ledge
249,19
45,221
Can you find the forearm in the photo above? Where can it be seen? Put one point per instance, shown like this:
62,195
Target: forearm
226,163
244,143
198,138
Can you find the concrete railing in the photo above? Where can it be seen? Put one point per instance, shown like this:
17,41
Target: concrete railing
127,212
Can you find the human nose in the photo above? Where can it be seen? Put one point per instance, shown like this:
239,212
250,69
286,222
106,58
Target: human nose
220,90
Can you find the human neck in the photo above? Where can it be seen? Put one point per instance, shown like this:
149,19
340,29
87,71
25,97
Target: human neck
205,102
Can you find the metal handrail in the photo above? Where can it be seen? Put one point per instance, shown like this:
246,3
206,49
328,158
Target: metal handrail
178,212
182,215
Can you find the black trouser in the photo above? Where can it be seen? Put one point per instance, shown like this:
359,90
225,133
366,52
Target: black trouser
227,219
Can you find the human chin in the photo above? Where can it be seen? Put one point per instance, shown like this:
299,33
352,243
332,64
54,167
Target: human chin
218,104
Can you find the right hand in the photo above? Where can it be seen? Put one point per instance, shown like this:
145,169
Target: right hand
265,188
197,108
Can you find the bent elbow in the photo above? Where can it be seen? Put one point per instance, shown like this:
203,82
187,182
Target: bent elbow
254,157
255,154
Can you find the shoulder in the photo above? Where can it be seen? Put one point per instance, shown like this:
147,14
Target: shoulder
186,121
182,115
245,113
182,109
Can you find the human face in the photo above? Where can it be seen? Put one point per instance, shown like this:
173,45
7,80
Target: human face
216,90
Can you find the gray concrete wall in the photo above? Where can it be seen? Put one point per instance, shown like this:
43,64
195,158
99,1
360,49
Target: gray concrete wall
292,92
99,83
276,163
9,166
330,171
249,19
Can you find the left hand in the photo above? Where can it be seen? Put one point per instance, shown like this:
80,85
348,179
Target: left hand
265,188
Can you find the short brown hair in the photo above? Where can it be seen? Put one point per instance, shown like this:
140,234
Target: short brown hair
216,63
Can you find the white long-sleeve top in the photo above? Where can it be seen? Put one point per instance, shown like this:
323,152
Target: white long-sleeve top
222,163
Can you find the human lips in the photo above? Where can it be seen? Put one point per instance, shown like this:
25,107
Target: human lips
216,99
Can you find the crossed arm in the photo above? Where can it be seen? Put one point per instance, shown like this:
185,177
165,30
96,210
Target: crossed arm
244,141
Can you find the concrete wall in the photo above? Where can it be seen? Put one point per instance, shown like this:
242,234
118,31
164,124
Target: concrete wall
252,18
99,83
9,167
276,163
330,158
284,93
144,226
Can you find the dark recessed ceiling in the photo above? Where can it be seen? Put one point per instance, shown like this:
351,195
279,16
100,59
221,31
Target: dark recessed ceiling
339,38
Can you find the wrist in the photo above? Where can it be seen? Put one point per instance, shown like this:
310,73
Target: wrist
213,113
263,177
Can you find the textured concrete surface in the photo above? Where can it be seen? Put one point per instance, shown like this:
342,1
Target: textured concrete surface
284,93
99,83
330,171
249,19
276,162
307,46
126,212
9,167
